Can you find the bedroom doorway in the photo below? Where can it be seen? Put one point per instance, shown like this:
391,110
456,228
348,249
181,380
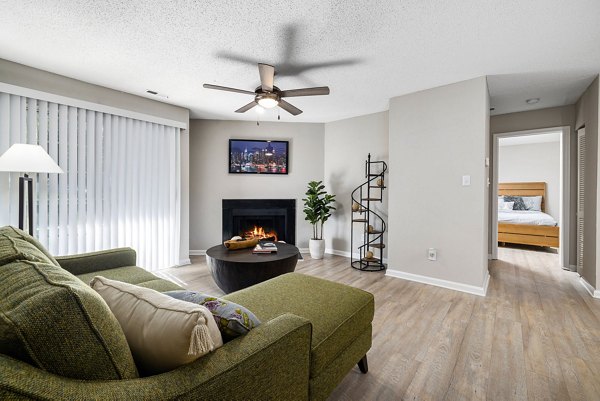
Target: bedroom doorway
530,194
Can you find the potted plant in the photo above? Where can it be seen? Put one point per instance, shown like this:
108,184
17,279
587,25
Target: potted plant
317,209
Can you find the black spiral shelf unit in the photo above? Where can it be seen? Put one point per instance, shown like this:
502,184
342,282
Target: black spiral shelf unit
363,197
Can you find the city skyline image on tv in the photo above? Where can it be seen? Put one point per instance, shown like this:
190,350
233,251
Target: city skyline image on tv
258,156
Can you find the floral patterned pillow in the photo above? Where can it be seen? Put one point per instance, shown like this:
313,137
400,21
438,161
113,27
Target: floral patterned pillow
232,319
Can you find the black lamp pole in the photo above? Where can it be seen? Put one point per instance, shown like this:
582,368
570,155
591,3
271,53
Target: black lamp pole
22,180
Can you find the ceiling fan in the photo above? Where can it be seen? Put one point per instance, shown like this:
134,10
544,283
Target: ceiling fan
268,95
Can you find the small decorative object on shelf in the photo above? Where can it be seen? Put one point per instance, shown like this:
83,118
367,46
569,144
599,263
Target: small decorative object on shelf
363,198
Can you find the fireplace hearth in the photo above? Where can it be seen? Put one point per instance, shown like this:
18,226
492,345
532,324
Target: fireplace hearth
272,219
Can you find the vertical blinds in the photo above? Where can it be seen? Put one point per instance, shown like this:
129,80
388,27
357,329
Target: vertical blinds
121,185
581,146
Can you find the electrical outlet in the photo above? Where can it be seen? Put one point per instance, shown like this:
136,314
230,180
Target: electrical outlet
432,254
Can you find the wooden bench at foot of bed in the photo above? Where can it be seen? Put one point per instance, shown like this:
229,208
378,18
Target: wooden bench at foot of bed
528,234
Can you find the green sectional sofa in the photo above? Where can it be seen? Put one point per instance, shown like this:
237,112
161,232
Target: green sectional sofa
59,340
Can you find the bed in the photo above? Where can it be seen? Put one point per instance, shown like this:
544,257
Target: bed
524,226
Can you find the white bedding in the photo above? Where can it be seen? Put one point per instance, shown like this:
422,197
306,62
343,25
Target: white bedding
525,217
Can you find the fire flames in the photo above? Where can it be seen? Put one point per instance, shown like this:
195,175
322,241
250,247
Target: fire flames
260,233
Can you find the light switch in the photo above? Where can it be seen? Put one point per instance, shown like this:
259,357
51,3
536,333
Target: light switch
466,180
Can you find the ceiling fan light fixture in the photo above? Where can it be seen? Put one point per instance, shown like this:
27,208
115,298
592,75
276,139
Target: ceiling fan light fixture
268,96
267,101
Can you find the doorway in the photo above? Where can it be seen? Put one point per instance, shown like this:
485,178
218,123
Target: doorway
560,205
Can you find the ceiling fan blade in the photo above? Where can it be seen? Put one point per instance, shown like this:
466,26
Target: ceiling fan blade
225,88
247,107
267,72
293,110
321,90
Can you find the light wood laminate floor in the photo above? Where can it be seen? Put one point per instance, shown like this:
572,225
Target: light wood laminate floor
535,336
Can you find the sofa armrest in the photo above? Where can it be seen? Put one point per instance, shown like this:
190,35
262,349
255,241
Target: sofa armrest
271,362
96,261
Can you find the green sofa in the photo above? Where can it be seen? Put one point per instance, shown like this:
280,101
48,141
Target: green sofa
58,339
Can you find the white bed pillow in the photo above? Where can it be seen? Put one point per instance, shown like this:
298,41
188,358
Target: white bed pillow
533,203
506,206
163,332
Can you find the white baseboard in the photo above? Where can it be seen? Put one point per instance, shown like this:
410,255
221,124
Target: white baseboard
338,253
202,252
590,289
486,283
451,285
346,254
184,262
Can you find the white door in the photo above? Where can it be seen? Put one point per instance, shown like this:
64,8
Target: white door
580,195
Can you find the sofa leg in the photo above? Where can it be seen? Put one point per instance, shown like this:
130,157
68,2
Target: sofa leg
363,365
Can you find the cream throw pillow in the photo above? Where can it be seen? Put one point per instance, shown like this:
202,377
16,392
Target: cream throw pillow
163,333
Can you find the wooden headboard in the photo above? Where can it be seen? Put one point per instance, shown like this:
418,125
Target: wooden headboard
524,189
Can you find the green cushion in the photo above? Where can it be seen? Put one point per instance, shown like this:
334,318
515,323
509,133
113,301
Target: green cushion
338,313
127,274
16,244
100,260
132,275
160,285
13,248
62,325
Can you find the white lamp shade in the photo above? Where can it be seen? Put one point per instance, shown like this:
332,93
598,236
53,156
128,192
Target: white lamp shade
23,158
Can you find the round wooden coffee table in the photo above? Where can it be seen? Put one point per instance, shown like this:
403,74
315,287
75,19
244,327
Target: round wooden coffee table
233,270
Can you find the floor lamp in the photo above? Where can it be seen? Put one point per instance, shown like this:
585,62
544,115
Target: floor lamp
27,159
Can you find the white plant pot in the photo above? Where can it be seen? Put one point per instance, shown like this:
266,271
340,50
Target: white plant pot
317,248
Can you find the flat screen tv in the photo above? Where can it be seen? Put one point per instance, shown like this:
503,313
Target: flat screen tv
248,156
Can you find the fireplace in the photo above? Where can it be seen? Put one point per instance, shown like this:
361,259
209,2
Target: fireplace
268,218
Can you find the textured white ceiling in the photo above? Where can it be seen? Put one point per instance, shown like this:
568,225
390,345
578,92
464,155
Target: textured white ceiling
538,48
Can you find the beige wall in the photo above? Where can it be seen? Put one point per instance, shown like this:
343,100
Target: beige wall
210,181
535,162
587,116
535,119
551,117
43,81
32,78
347,145
436,137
